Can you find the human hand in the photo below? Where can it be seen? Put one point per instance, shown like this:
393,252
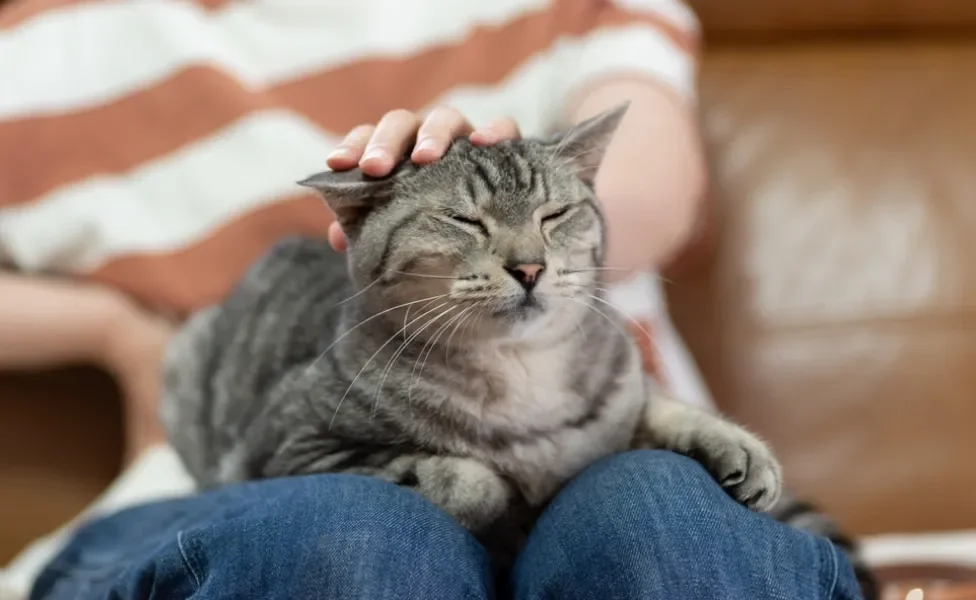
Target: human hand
137,340
376,149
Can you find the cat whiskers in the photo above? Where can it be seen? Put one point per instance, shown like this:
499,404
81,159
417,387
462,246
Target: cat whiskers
360,292
426,276
363,322
447,346
583,286
630,319
429,347
599,312
589,269
406,315
637,325
484,304
402,348
371,358
616,269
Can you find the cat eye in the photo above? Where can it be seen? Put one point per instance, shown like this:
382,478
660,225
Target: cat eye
555,215
468,222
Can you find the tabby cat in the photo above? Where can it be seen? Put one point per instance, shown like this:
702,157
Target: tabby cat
462,348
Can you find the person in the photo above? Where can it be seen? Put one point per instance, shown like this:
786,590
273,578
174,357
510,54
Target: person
152,162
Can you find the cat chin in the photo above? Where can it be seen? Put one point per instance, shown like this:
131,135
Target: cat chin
523,311
528,330
531,324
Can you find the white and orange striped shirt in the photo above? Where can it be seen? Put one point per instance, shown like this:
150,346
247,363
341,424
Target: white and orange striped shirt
153,145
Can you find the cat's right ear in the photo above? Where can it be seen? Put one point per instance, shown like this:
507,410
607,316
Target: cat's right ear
350,194
584,145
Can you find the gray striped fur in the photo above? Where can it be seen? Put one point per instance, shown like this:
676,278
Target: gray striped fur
420,360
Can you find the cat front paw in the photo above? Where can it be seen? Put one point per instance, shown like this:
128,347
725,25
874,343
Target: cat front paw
467,489
741,463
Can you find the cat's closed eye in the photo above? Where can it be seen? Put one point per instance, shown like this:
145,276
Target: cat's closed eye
553,216
468,222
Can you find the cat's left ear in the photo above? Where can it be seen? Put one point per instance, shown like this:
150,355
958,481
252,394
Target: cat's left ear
585,144
351,194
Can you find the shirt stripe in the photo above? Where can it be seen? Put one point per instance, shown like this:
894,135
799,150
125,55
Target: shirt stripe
201,99
152,140
163,205
161,38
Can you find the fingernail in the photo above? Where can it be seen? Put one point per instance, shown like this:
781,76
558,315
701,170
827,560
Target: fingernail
339,152
426,144
374,154
482,135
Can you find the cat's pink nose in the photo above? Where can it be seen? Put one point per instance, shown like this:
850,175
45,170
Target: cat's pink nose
531,272
527,274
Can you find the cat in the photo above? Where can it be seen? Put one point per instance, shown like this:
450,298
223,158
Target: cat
462,348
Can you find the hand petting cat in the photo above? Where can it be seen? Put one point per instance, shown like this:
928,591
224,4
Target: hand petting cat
375,149
650,183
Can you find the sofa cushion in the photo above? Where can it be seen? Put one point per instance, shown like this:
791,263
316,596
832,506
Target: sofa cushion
839,318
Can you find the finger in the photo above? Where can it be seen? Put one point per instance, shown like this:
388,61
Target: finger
499,130
337,237
439,129
347,154
394,134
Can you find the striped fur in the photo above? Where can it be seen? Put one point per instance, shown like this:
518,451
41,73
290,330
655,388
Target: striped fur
427,358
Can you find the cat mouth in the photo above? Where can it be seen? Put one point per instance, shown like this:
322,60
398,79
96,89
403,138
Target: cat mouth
529,301
523,308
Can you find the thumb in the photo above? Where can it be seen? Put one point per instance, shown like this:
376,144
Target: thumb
337,238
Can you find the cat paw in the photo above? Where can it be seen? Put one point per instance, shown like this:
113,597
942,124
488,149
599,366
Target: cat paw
467,489
741,463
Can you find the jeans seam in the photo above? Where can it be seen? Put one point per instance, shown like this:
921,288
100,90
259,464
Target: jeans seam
187,561
834,567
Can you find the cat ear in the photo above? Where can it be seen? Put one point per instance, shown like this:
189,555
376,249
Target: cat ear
350,194
584,145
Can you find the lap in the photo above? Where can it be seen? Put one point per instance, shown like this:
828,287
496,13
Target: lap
643,524
331,536
660,524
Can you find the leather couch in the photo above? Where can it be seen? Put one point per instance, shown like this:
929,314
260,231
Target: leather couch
836,311
834,308
832,305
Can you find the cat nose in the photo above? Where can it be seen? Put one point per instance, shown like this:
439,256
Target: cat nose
526,274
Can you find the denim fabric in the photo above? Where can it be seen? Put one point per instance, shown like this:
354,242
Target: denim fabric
645,524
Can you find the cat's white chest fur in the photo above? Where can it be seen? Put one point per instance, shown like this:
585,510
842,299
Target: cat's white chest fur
531,388
540,408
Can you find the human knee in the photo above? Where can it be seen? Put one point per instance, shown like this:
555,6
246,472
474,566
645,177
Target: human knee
644,496
664,479
340,536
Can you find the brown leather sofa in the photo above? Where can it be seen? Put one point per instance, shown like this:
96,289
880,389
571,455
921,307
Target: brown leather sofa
835,313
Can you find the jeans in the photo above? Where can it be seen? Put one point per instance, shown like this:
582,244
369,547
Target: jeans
645,524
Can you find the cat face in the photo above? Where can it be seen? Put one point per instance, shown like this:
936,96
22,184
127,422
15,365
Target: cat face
500,240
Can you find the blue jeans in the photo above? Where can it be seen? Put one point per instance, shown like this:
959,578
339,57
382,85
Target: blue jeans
646,524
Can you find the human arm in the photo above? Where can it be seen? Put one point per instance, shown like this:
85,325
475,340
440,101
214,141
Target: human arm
652,178
52,322
48,322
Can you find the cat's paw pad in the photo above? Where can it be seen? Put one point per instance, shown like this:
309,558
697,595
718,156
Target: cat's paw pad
467,489
741,463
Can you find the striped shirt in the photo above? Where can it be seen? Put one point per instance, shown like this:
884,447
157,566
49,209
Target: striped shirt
153,145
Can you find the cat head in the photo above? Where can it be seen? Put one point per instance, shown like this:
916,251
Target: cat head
510,235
